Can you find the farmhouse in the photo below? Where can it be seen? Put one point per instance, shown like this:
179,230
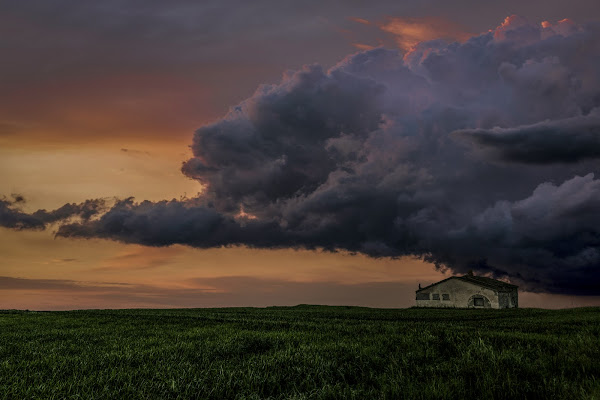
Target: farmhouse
468,291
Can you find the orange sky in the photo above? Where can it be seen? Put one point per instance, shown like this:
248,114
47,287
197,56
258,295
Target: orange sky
116,274
60,273
85,115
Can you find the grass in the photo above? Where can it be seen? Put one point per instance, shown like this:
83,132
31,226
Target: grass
303,352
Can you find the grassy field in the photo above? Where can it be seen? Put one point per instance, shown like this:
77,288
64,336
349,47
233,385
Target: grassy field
303,352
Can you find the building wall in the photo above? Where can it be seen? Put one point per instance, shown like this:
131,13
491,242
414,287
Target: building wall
461,295
508,299
503,300
513,299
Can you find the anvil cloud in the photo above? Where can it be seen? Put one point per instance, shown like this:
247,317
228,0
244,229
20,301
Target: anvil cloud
478,155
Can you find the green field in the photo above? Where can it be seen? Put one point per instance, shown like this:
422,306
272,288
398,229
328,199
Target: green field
303,352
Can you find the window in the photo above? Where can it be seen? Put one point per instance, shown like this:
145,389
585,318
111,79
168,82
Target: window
445,296
478,302
422,296
436,296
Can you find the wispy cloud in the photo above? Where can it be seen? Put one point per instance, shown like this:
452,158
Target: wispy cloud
140,258
203,292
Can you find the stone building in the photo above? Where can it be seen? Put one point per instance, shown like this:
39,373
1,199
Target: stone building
468,291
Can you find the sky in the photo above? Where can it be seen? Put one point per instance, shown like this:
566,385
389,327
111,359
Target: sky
231,153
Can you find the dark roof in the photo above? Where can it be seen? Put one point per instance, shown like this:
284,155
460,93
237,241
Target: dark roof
489,283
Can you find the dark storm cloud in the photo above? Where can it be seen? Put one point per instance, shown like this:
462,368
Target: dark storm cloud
278,143
554,232
569,140
81,69
362,157
12,217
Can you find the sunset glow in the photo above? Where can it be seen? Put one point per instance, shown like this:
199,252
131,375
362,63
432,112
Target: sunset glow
231,157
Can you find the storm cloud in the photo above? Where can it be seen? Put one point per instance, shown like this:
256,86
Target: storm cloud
568,140
11,216
476,156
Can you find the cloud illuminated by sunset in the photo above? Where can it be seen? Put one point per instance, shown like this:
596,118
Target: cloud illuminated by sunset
410,31
403,135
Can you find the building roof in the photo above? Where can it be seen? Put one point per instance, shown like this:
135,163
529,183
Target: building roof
489,283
